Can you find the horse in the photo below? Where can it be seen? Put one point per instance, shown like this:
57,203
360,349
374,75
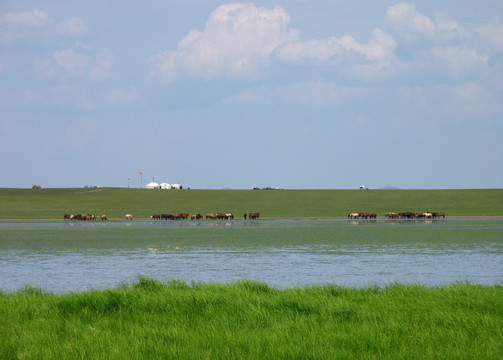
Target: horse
128,217
67,217
211,216
181,216
392,215
103,217
363,215
229,216
155,217
438,215
353,216
254,216
196,217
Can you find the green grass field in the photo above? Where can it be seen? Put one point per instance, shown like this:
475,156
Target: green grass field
115,202
249,320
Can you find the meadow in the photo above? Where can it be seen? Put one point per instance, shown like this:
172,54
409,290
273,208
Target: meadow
150,319
250,320
115,202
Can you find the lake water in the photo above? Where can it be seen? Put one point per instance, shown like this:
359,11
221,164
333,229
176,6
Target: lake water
74,256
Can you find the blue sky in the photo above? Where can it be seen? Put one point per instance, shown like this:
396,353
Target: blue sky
290,94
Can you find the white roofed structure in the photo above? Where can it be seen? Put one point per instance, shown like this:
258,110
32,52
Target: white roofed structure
152,185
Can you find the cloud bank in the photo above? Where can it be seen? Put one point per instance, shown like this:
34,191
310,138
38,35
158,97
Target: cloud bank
242,41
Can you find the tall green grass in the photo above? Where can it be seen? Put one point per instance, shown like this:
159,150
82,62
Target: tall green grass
249,320
115,202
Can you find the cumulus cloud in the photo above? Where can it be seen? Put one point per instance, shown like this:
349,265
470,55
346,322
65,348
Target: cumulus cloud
14,26
238,39
410,23
334,51
242,40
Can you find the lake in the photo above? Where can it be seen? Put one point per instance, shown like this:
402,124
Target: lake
76,256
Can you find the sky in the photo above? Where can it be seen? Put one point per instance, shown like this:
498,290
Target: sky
289,94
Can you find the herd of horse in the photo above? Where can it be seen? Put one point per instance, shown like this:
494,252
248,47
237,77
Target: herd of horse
402,215
84,217
179,216
256,216
210,216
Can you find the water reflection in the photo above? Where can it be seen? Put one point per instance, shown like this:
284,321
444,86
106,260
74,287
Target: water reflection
283,253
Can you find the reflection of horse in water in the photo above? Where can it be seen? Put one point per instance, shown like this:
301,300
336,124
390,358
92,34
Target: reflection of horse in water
362,221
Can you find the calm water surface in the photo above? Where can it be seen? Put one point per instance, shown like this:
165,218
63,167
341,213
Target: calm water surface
74,256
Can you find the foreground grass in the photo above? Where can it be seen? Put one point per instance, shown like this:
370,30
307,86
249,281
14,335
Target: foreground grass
115,202
249,320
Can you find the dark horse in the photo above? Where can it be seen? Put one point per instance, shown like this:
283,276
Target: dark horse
254,216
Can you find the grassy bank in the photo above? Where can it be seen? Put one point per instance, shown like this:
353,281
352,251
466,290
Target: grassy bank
153,320
115,202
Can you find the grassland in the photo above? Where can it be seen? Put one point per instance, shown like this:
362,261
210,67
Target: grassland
115,202
249,320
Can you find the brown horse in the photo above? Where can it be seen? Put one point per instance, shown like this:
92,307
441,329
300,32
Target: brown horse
254,216
181,216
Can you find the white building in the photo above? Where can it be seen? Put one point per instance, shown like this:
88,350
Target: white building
165,186
152,185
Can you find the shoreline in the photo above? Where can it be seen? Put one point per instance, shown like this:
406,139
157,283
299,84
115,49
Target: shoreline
261,219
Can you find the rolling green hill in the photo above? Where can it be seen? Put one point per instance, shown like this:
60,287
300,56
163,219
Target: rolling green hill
115,202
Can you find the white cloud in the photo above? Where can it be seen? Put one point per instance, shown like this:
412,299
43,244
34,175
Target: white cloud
363,59
457,59
70,60
410,24
122,96
74,26
80,60
34,18
240,39
492,33
14,26
237,41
